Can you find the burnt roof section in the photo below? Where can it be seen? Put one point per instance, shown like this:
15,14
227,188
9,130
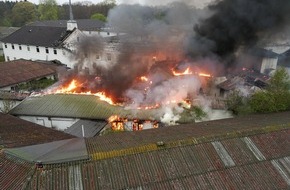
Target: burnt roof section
248,77
83,24
231,84
78,106
46,36
18,71
15,132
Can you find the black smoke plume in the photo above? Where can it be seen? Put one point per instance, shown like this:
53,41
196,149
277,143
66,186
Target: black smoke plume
237,23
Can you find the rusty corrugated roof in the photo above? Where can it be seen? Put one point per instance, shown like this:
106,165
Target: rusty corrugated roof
18,71
15,132
250,152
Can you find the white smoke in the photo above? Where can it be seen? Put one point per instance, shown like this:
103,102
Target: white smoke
166,94
171,114
211,114
173,90
196,3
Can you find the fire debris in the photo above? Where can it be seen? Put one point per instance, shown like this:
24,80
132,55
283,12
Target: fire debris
124,124
160,40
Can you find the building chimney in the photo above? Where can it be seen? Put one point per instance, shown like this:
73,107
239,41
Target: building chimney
71,23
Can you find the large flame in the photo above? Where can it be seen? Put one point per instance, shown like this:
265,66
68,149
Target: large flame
189,72
143,78
186,72
204,75
72,87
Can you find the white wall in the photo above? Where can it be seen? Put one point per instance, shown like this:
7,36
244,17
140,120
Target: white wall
54,122
268,63
106,58
30,53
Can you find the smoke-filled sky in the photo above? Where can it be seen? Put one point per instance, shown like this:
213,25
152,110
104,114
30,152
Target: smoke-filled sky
177,36
197,37
198,3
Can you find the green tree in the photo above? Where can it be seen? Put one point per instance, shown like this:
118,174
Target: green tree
237,103
48,10
99,16
276,97
5,12
23,13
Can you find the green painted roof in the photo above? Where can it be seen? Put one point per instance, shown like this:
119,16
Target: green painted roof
77,106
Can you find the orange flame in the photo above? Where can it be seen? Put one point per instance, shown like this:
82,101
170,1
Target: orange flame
204,75
148,107
103,97
73,85
143,78
113,118
186,72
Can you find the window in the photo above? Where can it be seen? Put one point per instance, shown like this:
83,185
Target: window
20,48
108,33
5,45
46,50
28,48
55,51
12,45
37,49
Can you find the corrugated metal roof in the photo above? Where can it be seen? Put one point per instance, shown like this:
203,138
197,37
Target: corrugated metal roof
90,128
15,132
18,71
77,106
53,152
14,172
180,163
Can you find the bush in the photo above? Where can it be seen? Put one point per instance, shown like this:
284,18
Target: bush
238,104
2,59
276,97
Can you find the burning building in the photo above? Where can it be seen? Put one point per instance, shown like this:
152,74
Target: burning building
160,60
